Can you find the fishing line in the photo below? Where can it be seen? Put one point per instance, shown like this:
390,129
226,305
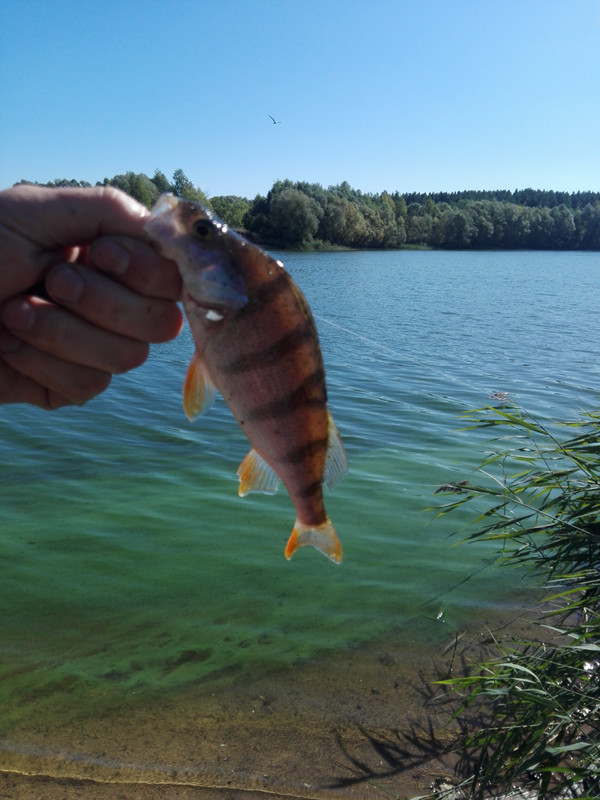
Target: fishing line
447,376
401,356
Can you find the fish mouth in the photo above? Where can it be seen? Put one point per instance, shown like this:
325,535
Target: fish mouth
210,312
166,202
162,225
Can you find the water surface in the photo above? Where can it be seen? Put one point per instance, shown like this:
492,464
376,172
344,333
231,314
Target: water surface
132,573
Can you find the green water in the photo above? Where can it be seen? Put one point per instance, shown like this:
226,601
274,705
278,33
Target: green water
130,569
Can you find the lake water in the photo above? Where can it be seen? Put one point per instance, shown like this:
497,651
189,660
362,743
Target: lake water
137,586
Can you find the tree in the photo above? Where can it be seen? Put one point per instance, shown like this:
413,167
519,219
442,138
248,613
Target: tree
430,207
231,209
452,229
481,222
313,190
400,206
419,228
120,181
564,227
345,191
587,222
296,213
159,179
356,232
257,220
295,216
182,186
542,224
333,222
68,184
143,189
517,226
137,185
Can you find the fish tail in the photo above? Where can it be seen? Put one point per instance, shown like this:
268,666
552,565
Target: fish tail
323,537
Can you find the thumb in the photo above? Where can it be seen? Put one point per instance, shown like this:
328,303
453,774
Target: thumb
53,218
39,225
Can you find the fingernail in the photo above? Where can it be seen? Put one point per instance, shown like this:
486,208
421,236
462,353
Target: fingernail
8,342
65,284
19,316
109,257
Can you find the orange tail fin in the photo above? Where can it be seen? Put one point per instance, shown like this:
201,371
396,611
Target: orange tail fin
323,537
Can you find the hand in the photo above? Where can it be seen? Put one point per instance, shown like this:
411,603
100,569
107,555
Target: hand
82,293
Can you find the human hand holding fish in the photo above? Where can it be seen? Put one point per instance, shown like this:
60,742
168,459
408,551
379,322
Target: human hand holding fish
82,293
256,342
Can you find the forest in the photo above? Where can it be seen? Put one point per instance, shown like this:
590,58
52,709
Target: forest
301,215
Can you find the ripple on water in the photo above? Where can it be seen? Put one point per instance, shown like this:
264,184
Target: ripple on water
135,580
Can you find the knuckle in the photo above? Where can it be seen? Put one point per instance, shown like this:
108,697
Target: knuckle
131,356
112,194
91,383
53,401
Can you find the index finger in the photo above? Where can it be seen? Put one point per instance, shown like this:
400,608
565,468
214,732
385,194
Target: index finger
51,219
137,265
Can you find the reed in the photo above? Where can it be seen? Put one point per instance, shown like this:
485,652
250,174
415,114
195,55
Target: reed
531,716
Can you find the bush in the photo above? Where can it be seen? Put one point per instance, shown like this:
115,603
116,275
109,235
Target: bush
540,701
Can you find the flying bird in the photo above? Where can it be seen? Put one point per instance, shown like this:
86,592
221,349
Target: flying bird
275,121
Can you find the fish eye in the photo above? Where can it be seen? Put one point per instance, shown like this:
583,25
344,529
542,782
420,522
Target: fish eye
202,228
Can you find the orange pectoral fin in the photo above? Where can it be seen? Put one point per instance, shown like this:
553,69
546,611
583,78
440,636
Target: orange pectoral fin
323,537
198,389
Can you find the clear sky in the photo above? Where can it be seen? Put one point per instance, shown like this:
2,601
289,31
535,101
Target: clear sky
407,95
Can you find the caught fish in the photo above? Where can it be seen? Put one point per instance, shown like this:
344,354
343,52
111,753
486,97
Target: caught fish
256,343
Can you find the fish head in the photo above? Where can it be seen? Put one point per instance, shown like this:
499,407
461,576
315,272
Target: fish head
204,249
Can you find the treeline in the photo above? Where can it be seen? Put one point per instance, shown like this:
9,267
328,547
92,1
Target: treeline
534,198
305,215
144,189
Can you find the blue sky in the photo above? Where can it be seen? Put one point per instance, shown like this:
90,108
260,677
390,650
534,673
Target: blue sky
407,95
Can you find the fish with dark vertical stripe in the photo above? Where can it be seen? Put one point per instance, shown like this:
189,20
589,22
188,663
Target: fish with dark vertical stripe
256,343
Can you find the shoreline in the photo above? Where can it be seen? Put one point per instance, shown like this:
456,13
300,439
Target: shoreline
363,723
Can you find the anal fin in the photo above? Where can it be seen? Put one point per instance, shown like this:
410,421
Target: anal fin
256,475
